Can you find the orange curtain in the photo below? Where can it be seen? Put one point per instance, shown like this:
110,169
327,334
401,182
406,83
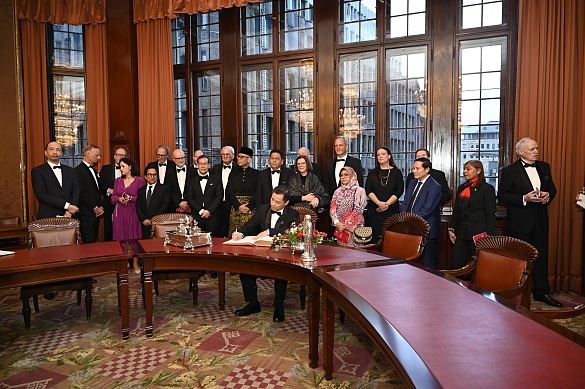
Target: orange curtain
156,115
97,112
36,102
63,11
550,103
159,9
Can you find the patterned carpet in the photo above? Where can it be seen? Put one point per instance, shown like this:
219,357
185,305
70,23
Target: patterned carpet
192,347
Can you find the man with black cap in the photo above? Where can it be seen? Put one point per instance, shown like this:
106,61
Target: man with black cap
241,190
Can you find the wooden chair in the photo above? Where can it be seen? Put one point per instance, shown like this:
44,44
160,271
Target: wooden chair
54,232
503,266
10,221
160,225
304,210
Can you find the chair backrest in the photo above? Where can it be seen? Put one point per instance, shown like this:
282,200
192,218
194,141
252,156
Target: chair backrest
304,210
9,221
503,267
168,222
54,231
404,236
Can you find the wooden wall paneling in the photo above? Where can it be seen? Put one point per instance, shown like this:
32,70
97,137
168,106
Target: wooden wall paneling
231,108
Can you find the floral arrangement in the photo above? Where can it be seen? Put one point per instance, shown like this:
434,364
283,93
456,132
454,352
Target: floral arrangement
293,237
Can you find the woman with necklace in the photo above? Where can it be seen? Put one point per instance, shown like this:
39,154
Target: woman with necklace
384,186
125,222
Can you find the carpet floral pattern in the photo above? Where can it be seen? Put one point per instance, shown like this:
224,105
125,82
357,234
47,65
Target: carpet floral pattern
192,347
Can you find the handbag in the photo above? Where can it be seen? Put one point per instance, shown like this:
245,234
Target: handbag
362,235
342,236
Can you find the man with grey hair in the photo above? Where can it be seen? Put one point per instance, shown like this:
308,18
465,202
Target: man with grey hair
162,164
196,154
527,187
224,170
90,197
341,159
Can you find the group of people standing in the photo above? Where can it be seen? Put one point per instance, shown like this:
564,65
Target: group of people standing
223,199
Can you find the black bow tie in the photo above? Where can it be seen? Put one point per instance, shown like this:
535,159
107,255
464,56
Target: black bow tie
276,171
162,164
57,167
340,159
181,169
526,165
203,177
227,166
279,213
117,167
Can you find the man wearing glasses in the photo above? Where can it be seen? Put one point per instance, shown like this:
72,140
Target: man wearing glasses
108,175
178,181
162,164
241,190
152,199
224,170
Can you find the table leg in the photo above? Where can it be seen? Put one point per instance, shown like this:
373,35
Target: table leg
148,298
328,335
221,288
123,298
313,319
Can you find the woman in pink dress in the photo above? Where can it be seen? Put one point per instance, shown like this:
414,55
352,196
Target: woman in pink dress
125,222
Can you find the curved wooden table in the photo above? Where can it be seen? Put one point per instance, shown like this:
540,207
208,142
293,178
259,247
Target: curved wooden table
250,260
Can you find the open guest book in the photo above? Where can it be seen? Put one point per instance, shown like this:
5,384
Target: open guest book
251,241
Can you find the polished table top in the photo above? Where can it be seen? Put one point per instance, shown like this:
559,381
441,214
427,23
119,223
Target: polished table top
465,339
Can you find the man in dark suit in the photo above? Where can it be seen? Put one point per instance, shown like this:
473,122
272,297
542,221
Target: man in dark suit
108,175
90,197
162,164
268,179
178,181
196,154
223,170
527,187
334,166
269,220
422,198
55,185
152,199
204,194
317,170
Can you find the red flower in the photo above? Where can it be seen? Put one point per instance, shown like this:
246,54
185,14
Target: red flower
300,235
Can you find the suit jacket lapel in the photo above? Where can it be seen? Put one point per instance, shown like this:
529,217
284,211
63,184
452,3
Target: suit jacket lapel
524,176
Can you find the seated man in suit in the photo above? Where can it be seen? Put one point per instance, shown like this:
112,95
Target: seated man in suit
204,195
152,199
422,197
269,220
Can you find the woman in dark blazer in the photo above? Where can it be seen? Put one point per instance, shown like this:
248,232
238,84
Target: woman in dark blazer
474,213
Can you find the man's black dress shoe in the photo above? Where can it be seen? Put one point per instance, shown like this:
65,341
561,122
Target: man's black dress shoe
49,296
278,316
545,298
248,310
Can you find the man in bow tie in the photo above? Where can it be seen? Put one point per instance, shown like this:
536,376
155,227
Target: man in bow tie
90,197
341,159
276,174
224,170
152,199
269,220
108,175
527,187
178,181
55,185
204,195
163,164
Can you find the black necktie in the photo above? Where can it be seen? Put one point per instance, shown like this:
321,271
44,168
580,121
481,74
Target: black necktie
276,212
203,178
148,195
411,202
527,165
181,169
162,164
339,160
117,167
57,167
227,166
276,171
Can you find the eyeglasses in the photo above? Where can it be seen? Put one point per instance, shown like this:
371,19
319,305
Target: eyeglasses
178,158
243,156
161,155
120,155
151,174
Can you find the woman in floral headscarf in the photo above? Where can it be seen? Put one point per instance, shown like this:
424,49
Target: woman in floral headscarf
347,206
